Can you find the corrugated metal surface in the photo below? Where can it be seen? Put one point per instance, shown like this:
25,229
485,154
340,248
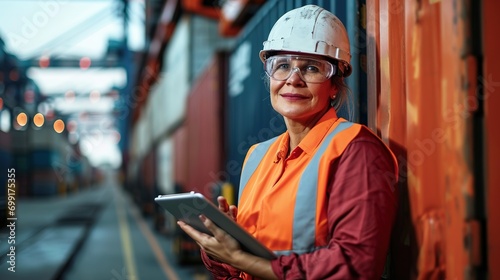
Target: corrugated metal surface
168,103
192,45
461,155
164,166
387,115
204,32
148,186
490,85
426,183
204,122
252,118
180,143
141,137
423,103
156,104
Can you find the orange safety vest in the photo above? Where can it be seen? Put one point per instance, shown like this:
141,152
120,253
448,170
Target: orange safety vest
286,209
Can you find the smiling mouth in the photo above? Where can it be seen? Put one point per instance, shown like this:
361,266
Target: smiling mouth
293,96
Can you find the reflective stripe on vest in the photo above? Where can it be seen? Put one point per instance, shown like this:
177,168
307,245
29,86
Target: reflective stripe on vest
252,162
304,227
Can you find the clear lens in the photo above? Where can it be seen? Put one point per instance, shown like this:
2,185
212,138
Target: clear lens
311,70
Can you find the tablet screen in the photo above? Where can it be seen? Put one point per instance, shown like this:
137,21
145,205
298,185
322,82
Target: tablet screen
187,207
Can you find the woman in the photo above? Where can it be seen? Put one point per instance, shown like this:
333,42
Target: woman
321,195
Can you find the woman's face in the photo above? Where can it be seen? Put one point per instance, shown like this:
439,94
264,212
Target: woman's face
298,100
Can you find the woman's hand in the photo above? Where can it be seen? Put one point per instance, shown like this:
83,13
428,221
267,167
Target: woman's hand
220,246
231,211
224,248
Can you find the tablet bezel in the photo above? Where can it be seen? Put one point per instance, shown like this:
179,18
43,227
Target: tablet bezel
187,207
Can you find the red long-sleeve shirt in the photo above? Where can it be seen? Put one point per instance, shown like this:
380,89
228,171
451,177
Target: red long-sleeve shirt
361,211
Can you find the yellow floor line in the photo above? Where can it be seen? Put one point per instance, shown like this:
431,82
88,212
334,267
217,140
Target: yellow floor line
155,246
128,251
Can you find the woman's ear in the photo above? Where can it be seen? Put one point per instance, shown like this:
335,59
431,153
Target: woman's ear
335,89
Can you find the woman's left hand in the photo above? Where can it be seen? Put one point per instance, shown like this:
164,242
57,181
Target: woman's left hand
220,246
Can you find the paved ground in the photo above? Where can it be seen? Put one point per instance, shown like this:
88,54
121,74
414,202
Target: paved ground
94,234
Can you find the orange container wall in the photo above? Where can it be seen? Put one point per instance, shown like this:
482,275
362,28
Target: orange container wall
387,116
422,78
425,177
491,83
204,123
458,90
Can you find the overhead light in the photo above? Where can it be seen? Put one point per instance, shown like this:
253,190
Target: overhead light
38,120
5,121
22,119
59,126
85,63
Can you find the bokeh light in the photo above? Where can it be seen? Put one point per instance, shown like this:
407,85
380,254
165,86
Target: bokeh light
44,61
39,120
85,63
22,119
59,126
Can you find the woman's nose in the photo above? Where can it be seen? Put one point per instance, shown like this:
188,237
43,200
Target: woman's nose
295,76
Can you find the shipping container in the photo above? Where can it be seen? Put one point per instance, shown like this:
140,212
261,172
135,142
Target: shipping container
180,168
147,183
199,148
52,162
164,166
205,128
46,182
48,171
427,95
188,53
141,144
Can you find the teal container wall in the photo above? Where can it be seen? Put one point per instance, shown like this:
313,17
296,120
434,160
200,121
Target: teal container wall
251,118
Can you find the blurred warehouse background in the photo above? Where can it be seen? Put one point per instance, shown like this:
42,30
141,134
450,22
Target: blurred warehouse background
105,104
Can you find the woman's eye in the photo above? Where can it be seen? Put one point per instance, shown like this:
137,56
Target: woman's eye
282,66
312,68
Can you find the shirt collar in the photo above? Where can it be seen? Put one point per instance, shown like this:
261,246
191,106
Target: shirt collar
312,139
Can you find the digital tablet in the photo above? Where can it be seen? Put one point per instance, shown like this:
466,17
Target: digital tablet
187,207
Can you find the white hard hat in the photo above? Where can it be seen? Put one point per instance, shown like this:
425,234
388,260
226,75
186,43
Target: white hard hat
311,30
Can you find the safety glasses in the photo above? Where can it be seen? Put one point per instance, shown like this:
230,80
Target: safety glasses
310,70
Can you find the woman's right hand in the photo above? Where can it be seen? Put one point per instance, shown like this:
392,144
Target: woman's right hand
230,210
